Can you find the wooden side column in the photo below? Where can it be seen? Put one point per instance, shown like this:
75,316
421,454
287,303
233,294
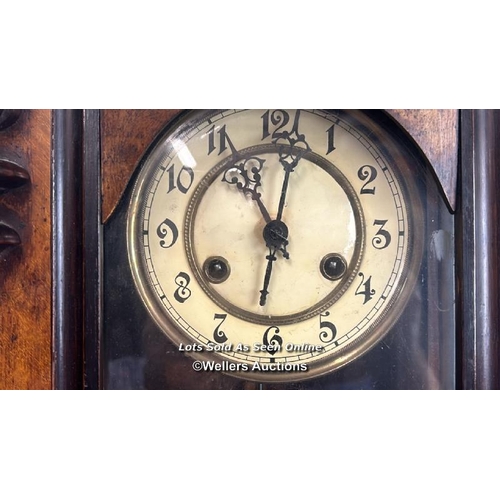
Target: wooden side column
67,245
478,235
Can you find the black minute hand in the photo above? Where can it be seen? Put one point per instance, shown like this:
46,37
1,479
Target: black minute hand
284,190
291,148
270,259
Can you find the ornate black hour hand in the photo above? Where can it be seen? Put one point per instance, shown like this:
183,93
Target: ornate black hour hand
244,173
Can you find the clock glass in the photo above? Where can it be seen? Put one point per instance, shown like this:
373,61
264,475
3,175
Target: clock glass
283,247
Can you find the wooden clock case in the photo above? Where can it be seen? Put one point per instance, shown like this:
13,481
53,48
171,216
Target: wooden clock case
78,164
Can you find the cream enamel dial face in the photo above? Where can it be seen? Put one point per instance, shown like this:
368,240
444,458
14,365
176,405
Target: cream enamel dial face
280,244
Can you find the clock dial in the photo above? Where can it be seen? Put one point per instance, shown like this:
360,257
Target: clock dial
285,242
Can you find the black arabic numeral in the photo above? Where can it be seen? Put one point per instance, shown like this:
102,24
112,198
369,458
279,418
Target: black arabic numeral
369,174
219,336
331,139
184,180
365,288
224,141
182,293
325,335
265,125
382,238
167,229
274,343
211,141
279,118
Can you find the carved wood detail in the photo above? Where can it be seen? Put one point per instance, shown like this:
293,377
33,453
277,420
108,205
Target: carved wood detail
8,237
8,117
25,269
12,175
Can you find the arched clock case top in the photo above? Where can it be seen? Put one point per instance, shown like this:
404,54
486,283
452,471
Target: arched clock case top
99,154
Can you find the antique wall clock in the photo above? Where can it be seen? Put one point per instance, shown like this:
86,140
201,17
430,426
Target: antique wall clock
273,249
280,248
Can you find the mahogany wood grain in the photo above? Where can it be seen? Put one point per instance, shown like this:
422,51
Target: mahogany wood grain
436,133
126,134
25,270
